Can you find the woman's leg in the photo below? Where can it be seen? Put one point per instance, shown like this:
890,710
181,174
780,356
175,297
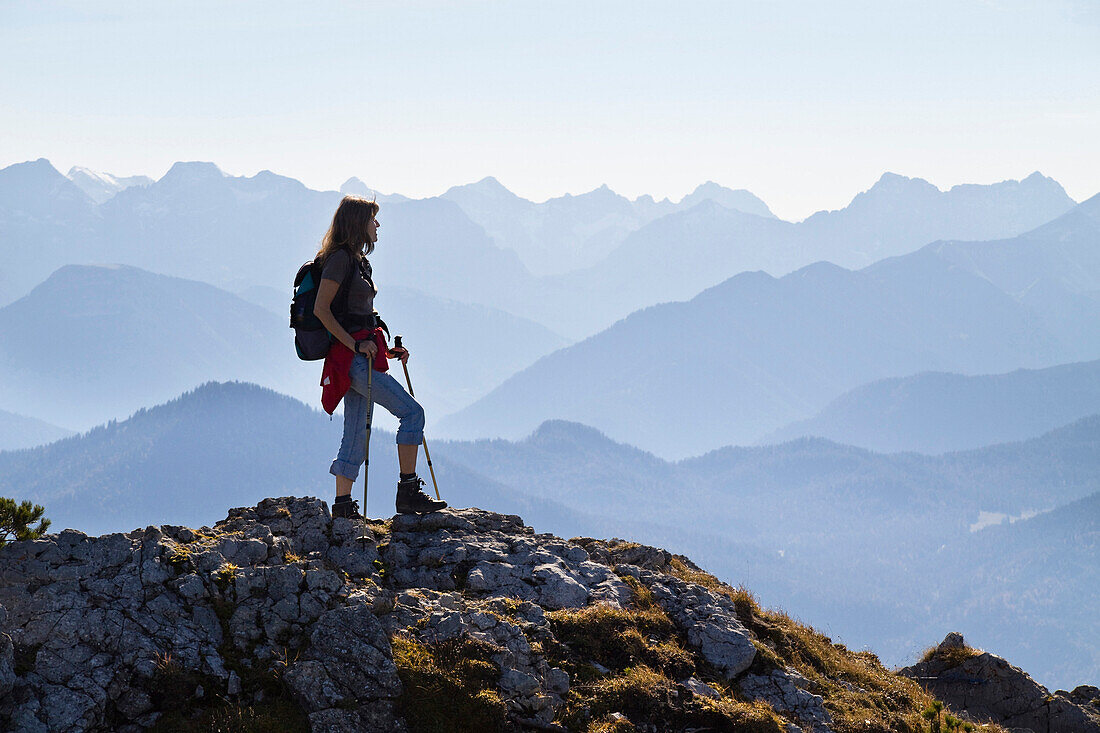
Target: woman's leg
353,443
406,457
389,393
343,486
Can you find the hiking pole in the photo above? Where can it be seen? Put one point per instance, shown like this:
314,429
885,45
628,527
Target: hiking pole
424,441
366,447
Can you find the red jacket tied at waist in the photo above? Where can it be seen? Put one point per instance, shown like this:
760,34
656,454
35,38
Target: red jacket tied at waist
336,377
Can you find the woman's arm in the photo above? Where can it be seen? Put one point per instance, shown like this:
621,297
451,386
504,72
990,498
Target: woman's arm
322,308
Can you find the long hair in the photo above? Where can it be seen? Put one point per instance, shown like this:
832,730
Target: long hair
349,228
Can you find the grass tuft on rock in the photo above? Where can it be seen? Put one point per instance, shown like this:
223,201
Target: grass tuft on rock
617,638
450,686
277,716
651,700
952,657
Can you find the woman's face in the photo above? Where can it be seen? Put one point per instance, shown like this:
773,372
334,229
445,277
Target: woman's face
372,230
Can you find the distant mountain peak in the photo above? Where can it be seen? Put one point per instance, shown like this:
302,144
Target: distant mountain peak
1037,180
896,182
37,186
488,187
40,164
601,193
41,170
709,187
557,430
192,171
489,184
738,200
355,187
272,179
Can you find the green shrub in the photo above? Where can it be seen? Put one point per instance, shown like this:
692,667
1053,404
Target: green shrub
16,520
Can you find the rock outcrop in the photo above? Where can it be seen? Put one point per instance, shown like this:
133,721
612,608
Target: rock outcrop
987,689
324,624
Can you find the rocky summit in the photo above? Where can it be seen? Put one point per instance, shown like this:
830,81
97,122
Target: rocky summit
992,690
281,618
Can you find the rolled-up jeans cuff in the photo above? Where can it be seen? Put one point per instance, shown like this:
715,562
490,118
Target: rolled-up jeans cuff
410,437
344,468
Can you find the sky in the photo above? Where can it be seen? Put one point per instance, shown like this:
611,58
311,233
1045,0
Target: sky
803,103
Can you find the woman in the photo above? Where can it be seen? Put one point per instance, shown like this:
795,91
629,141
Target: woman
346,245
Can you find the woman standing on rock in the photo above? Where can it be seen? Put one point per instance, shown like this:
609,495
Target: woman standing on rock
359,348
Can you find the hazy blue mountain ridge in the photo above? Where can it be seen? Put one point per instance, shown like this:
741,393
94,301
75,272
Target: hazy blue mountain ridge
573,232
95,342
899,213
20,431
45,221
235,232
199,223
677,256
933,412
755,352
1062,251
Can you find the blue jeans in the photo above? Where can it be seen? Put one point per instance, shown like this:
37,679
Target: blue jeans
386,391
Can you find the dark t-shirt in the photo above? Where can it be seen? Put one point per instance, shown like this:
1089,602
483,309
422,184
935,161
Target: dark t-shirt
362,292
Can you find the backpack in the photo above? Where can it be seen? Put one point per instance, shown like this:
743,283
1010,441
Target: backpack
311,339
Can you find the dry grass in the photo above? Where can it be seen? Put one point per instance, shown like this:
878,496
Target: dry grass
648,698
643,597
699,577
450,686
278,716
952,657
617,638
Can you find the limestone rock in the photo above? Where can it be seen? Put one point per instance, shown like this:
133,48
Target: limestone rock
788,692
709,620
347,669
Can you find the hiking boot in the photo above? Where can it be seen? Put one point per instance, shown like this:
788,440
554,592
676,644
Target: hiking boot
348,509
411,499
